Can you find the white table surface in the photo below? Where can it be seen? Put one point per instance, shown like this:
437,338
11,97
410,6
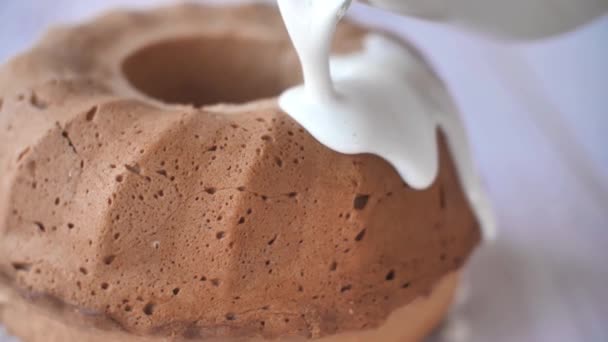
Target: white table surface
537,115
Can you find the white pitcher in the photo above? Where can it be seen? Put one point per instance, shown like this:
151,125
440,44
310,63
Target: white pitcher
514,19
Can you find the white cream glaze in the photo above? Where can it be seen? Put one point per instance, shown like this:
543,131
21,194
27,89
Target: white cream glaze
367,102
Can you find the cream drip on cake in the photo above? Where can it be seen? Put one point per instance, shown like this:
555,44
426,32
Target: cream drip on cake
367,102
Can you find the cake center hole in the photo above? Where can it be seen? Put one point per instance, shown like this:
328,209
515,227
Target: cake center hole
209,70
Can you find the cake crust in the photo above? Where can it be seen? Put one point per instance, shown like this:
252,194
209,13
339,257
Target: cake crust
36,322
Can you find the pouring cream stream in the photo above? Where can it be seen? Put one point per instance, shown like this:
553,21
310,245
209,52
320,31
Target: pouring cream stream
367,102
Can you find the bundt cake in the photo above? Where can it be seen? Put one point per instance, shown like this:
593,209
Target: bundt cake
151,188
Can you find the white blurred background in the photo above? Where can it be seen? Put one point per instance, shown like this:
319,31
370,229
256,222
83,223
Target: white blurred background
537,114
